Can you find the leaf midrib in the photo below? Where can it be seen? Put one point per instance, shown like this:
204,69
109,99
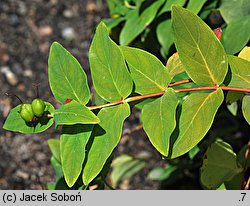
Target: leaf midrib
108,65
191,122
162,127
64,75
198,48
241,77
106,146
76,115
72,170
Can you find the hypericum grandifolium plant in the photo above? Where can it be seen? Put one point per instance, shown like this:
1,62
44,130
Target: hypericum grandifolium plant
179,102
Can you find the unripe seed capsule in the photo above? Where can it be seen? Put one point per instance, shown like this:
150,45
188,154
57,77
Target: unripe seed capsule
38,107
26,112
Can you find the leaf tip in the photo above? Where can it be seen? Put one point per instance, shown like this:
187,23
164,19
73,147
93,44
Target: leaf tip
175,7
55,44
86,180
70,182
102,26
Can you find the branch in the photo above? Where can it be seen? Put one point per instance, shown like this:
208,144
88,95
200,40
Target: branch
236,89
136,129
158,94
226,88
247,185
180,82
105,105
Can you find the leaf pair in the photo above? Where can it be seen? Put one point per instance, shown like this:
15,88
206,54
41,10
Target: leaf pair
205,61
76,157
68,81
110,75
71,156
108,68
194,120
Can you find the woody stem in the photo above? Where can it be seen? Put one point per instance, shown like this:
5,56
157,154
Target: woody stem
158,94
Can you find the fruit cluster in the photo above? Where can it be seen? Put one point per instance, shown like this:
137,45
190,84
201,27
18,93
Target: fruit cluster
34,110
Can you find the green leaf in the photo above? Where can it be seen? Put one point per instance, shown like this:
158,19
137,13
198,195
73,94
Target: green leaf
234,183
105,139
74,113
111,23
57,167
231,101
222,187
193,152
112,4
158,120
15,123
54,145
195,6
239,27
196,117
139,2
148,73
233,96
241,156
180,77
116,7
174,65
208,8
219,165
124,167
231,10
97,100
168,4
67,79
72,146
240,72
137,21
141,104
51,185
161,174
199,49
110,76
246,108
165,35
233,108
245,53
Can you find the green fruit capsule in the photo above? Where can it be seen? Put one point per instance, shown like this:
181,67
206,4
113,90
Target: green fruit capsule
38,107
26,112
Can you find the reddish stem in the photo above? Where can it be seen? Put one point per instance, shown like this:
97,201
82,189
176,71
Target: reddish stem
136,129
158,94
180,82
